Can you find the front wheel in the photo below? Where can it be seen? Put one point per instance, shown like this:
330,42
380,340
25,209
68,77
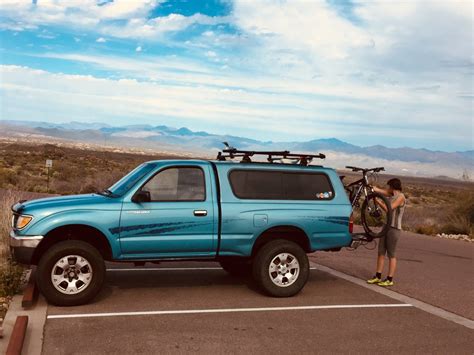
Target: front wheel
70,273
281,268
376,215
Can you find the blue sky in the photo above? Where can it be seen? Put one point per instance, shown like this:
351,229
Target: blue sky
390,73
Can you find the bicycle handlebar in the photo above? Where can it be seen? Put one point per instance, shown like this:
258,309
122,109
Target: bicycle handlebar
375,170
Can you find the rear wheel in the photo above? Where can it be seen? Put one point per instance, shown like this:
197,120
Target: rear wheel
70,273
375,218
281,268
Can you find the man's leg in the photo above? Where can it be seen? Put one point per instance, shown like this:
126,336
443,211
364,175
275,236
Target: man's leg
380,263
391,244
392,266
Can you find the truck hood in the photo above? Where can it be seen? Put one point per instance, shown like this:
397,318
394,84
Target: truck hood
53,204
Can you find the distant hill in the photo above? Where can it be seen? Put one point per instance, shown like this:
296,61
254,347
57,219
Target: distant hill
405,160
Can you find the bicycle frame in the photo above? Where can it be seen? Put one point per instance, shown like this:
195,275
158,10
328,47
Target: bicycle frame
362,188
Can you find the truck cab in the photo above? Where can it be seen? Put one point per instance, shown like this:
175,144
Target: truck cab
258,219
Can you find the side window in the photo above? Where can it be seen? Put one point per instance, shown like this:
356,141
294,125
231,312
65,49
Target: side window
280,185
307,187
177,184
253,184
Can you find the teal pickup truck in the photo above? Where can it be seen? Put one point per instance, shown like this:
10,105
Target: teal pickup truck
255,218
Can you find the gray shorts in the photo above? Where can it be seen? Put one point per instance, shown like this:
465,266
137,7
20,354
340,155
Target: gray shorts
388,243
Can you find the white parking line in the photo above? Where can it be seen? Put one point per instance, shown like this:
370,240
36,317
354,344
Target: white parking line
172,269
227,310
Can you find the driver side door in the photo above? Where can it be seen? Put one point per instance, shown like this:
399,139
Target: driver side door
178,221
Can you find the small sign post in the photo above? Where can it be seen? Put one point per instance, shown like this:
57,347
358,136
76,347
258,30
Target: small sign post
49,165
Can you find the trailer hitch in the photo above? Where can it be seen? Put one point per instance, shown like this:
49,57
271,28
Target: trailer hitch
359,239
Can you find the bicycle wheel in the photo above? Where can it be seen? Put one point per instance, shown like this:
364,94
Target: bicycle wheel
376,219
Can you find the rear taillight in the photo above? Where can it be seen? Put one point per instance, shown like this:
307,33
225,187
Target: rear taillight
351,223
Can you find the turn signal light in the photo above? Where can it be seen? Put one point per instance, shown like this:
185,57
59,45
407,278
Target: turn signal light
23,221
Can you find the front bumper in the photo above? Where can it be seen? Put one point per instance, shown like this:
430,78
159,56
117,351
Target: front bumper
23,247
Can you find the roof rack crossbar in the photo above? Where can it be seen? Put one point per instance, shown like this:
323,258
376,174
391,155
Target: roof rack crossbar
300,158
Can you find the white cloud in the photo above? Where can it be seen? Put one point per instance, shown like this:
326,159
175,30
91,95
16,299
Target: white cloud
138,49
225,101
312,27
101,40
400,68
89,15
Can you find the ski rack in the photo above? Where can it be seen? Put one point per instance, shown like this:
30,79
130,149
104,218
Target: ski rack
272,156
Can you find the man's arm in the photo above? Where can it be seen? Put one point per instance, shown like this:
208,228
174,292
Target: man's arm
381,191
400,200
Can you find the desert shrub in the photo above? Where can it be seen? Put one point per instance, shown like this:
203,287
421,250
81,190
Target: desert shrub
7,176
458,224
61,187
414,201
7,199
89,188
428,229
12,276
466,208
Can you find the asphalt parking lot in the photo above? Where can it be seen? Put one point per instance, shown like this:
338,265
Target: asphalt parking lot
198,307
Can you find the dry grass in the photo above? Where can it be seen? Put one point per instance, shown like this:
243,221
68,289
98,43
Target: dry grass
22,167
11,274
7,199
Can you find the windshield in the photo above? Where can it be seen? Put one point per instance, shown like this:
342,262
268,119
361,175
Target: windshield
129,180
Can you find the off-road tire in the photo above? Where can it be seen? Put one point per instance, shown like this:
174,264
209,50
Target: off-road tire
262,263
55,253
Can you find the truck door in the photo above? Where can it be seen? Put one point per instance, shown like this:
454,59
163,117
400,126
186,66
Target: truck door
180,218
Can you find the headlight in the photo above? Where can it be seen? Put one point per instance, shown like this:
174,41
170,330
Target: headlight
22,221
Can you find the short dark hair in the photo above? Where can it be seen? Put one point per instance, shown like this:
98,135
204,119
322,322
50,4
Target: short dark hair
395,184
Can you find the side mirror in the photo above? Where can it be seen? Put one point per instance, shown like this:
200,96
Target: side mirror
141,196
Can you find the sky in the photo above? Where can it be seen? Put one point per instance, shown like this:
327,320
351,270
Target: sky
395,73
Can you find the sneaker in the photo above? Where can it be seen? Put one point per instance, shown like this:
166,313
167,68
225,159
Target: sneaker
374,280
385,283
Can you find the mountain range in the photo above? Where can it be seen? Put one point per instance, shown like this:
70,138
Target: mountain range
405,160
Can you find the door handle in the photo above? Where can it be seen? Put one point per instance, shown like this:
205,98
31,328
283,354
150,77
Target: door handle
200,213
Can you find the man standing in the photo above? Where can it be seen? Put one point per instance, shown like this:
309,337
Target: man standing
388,243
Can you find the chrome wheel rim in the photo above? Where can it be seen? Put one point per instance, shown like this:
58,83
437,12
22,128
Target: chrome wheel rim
71,274
284,269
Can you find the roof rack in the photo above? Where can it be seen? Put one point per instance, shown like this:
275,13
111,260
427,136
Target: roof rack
272,156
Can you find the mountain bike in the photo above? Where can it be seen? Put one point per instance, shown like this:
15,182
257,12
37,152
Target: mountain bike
376,210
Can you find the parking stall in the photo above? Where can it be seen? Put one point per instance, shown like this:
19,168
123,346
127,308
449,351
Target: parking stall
184,307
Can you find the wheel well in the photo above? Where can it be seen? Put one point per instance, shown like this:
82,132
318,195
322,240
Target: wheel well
84,233
291,233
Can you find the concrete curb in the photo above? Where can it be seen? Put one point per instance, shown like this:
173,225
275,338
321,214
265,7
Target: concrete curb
33,335
17,338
